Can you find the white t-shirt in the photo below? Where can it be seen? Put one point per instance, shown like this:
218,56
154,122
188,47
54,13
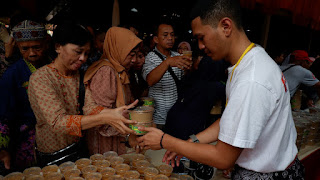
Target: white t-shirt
258,115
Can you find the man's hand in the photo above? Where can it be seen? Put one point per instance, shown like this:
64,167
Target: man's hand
152,139
181,62
172,157
5,158
116,119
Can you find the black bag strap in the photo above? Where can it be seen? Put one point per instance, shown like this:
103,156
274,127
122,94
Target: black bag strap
288,68
81,92
174,76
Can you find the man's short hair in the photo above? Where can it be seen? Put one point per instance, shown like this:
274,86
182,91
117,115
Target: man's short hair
156,27
212,11
28,30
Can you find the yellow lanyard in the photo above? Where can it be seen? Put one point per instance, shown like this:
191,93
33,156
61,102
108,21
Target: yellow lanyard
30,66
243,54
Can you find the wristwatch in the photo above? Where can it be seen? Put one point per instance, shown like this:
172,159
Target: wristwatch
194,138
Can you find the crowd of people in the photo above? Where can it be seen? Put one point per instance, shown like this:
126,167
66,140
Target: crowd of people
67,96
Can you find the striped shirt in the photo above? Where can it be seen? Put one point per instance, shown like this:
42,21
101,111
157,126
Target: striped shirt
165,91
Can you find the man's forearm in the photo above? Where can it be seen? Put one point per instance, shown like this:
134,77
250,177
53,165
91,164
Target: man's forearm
157,73
210,134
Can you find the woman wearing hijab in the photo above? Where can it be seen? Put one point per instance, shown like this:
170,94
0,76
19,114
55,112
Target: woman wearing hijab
108,82
183,46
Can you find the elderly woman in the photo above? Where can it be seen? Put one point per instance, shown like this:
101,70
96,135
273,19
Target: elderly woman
54,97
108,82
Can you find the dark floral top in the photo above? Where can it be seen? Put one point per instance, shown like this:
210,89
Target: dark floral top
17,121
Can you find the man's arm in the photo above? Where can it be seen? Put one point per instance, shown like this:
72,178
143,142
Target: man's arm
210,134
182,62
221,155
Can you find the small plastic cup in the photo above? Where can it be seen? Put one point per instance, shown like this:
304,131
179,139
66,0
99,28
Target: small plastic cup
150,172
116,160
75,178
160,177
173,178
72,173
89,169
97,157
115,177
32,171
186,177
35,177
108,171
50,169
187,53
131,174
141,165
82,163
101,164
14,176
54,176
110,154
122,168
93,176
127,158
67,166
165,169
137,157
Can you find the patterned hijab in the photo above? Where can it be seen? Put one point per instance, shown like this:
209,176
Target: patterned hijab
117,45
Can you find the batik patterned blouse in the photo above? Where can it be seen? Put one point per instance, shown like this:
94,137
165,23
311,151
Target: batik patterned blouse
54,100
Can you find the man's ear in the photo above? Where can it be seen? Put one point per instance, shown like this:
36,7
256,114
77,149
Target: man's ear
155,39
226,25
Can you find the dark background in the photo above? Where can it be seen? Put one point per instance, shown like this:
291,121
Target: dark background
283,35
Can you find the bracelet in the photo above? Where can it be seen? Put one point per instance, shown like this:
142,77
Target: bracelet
161,140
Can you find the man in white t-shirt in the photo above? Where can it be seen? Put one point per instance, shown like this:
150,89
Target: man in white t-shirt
256,133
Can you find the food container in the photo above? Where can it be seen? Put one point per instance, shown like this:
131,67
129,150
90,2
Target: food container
54,176
114,161
32,171
131,174
35,177
89,169
50,169
186,177
14,176
143,116
115,177
165,169
110,154
141,165
122,168
72,173
97,157
127,158
187,53
160,177
150,172
76,178
93,176
107,172
147,101
67,166
101,164
82,163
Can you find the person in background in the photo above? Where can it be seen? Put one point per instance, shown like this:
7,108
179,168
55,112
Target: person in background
17,121
183,46
96,53
296,72
256,132
155,71
6,43
108,82
138,86
56,96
